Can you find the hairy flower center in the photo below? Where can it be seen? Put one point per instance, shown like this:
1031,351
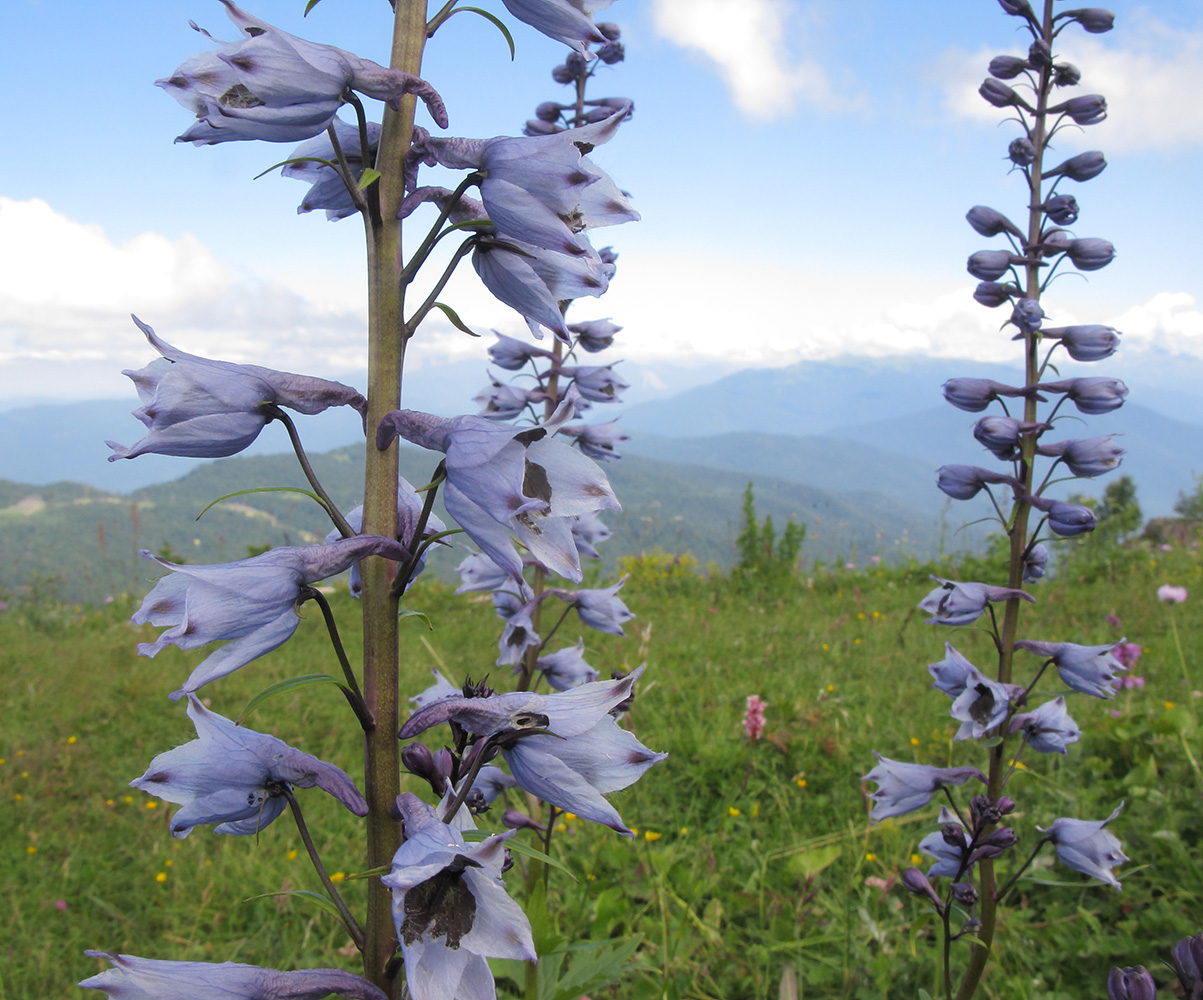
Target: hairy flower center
442,906
239,97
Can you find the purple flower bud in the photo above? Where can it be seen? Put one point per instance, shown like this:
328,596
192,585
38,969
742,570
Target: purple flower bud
1019,8
1090,342
1082,167
990,265
1022,153
1040,56
549,111
998,94
611,30
1096,20
1027,315
1088,457
515,820
1093,395
1133,983
992,294
1090,254
1035,563
594,115
1066,75
989,222
575,62
1064,518
611,53
964,893
914,881
563,74
974,394
1062,209
963,482
535,127
1187,959
1089,109
1007,67
1000,435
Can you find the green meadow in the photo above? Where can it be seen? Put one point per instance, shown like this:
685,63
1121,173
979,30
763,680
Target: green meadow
750,857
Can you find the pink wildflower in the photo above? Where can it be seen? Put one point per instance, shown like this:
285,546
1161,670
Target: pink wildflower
1113,620
1168,592
754,717
1128,683
1127,653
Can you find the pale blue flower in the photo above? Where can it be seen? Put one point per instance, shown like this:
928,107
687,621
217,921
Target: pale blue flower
566,668
981,706
441,688
133,978
948,854
250,602
513,354
1048,729
567,21
588,532
274,86
478,572
583,754
954,603
594,335
1087,847
327,189
450,907
510,479
233,777
903,788
197,408
1092,670
598,441
600,609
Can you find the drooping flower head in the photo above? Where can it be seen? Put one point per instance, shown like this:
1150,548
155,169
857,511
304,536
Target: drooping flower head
233,777
566,668
903,788
1092,670
273,86
1048,729
133,978
954,603
197,408
251,602
1087,847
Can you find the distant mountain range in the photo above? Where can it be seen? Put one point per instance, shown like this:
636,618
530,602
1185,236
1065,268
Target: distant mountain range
849,448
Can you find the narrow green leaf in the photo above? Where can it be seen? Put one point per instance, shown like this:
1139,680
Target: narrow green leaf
313,897
288,684
496,21
370,873
370,176
456,322
309,6
518,847
262,489
416,614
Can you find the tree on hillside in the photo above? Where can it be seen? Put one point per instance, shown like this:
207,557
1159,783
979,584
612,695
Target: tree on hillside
765,561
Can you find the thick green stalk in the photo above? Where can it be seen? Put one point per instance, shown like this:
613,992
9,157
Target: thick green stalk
988,913
386,353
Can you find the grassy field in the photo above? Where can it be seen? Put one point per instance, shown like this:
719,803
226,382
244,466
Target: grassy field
749,855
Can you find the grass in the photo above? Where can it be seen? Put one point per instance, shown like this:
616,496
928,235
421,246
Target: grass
748,855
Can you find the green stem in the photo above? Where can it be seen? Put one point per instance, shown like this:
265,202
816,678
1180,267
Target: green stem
352,692
415,541
461,252
340,522
386,353
348,918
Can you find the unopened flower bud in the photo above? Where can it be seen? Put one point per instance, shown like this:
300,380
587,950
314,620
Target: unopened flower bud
549,111
417,759
953,834
611,53
1000,435
1064,518
1088,342
963,482
1096,20
1086,457
610,30
913,880
990,222
1027,315
516,820
1035,563
1002,837
1019,8
1021,152
1133,983
992,294
592,115
1066,75
1186,957
964,893
1089,109
990,265
998,94
576,63
974,394
1092,395
1082,167
1007,67
563,74
536,127
1040,55
1005,805
986,852
1090,254
1062,209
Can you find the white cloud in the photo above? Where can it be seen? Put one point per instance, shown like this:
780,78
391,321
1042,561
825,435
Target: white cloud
747,41
1149,73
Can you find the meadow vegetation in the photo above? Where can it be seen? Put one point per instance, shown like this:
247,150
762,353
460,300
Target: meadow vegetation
749,856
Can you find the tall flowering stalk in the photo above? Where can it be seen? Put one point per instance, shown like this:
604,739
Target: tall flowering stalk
443,908
1005,715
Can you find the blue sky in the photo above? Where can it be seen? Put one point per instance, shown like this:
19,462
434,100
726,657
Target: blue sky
803,170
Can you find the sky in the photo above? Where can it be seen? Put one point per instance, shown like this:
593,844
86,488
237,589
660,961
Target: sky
802,168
